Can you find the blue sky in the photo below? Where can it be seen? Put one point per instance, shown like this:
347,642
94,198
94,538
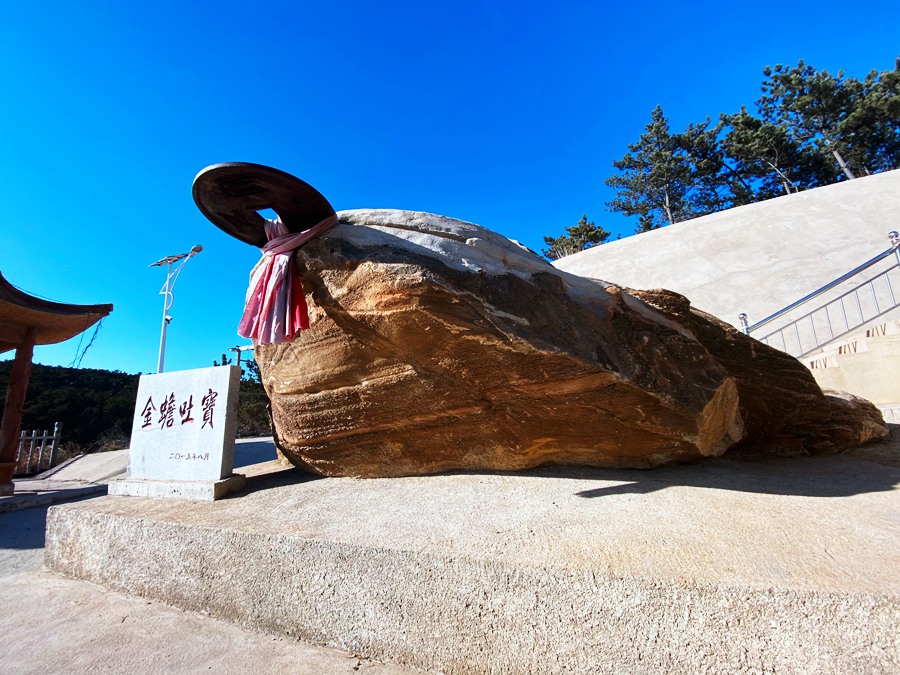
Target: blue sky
507,114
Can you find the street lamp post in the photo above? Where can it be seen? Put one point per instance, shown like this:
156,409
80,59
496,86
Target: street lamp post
238,350
168,297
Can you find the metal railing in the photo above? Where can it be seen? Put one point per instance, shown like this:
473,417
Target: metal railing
34,455
837,317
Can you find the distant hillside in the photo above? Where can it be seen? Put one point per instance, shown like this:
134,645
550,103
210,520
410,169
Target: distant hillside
89,403
96,407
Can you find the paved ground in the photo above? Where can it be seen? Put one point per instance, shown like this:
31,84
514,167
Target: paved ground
53,625
767,565
810,526
87,475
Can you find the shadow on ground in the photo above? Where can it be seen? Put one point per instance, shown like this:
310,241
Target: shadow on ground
874,468
274,475
24,528
251,452
832,476
804,476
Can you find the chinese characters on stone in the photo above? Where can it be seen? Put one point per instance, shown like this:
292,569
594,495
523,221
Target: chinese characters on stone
209,402
168,408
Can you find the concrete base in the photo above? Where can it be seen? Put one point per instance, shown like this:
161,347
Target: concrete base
7,489
202,490
724,566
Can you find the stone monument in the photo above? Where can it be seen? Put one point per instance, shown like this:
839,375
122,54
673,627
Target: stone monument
182,437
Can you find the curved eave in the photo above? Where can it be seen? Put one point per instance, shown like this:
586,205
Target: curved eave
52,321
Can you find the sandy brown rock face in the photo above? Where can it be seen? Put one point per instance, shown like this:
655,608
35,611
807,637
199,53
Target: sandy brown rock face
784,410
438,345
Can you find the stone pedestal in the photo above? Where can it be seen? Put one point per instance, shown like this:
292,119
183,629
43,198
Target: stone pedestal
724,567
202,490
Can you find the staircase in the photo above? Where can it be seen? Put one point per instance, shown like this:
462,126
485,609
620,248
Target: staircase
853,300
850,339
866,363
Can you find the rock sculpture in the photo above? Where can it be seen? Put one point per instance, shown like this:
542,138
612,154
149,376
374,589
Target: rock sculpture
435,344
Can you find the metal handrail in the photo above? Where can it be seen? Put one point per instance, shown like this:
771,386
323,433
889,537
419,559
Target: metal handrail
839,300
893,235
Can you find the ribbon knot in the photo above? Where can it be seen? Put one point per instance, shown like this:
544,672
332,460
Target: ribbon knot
276,310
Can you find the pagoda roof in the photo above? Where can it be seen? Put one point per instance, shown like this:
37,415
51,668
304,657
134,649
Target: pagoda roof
52,321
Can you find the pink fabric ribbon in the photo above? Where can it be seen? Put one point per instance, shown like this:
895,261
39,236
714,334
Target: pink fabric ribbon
276,305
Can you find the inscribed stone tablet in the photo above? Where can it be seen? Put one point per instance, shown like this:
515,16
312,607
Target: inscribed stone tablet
184,425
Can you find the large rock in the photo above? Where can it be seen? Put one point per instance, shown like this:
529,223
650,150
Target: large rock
436,345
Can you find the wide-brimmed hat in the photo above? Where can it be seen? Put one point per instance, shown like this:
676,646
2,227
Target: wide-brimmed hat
232,194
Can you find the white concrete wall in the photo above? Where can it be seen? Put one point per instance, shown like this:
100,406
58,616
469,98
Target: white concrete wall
757,258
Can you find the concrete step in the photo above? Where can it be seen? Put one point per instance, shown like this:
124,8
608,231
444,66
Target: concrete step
867,365
859,341
108,632
890,412
724,566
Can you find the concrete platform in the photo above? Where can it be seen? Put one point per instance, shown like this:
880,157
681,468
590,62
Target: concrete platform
725,566
51,624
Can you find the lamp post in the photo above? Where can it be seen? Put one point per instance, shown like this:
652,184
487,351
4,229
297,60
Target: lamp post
238,350
168,297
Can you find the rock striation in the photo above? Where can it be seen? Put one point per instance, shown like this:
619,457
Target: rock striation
436,344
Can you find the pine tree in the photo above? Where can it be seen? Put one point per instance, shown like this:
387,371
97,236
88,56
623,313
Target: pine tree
814,109
873,123
716,180
771,161
812,128
654,177
577,238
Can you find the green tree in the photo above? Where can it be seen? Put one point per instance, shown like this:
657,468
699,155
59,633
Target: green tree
95,407
653,182
811,129
873,123
717,180
577,238
853,122
251,372
769,159
253,418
